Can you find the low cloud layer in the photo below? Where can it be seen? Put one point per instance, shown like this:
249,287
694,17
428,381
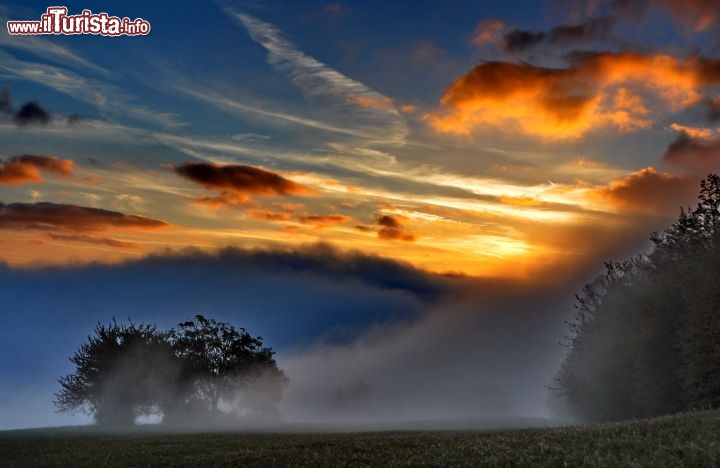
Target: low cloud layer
466,358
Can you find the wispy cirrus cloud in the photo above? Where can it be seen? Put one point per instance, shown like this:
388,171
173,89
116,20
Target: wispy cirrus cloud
94,240
41,47
237,107
342,99
108,99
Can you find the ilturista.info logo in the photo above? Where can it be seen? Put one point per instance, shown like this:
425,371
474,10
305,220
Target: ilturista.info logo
57,21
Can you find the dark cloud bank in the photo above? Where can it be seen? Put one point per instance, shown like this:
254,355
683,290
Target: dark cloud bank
592,29
363,340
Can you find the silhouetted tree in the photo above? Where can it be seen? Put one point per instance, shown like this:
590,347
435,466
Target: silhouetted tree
224,366
203,369
646,339
121,372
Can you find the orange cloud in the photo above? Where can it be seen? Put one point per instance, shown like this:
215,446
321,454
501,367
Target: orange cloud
236,182
648,191
392,229
28,168
628,109
596,89
368,101
698,156
46,216
695,132
75,224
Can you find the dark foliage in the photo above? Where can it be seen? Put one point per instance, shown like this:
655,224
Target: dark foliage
121,372
221,365
646,337
202,371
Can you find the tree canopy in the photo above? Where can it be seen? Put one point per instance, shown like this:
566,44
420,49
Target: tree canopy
646,337
203,370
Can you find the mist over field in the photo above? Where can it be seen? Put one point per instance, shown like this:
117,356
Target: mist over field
361,339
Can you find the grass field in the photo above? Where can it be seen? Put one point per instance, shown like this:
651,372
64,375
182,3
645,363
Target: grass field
680,440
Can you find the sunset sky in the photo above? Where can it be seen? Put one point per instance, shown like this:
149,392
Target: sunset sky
481,138
523,140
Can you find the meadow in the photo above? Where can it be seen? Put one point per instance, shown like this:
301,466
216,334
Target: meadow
689,439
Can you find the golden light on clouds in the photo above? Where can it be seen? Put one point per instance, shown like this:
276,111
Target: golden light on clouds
696,132
392,172
596,90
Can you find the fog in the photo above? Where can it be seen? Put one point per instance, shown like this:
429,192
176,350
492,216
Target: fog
462,359
364,342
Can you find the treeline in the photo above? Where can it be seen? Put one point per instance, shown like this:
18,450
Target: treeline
201,372
646,337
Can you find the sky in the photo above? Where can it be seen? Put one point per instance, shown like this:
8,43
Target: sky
351,180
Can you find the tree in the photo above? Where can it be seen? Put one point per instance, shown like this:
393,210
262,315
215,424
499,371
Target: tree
647,342
203,369
121,372
224,368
